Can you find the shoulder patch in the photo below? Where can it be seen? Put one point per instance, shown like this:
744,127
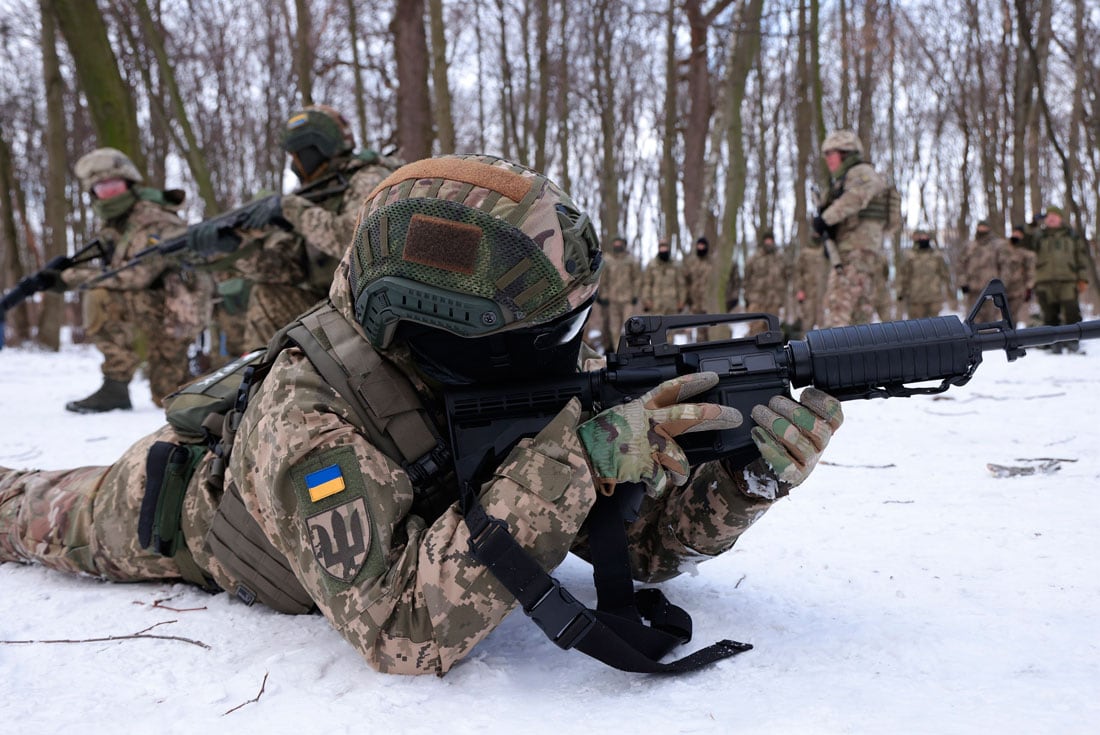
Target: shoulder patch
335,508
153,240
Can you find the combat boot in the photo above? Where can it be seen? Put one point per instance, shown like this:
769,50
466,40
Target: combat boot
111,395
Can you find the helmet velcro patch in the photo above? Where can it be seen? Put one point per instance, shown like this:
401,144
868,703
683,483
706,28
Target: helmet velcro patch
494,178
442,243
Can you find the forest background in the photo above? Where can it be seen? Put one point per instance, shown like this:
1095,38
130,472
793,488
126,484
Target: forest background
673,118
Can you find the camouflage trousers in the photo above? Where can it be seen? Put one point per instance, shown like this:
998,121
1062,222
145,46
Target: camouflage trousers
271,307
617,314
116,322
765,307
82,520
851,293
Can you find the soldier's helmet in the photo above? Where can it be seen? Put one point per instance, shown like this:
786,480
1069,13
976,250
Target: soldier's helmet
103,164
315,135
845,141
470,247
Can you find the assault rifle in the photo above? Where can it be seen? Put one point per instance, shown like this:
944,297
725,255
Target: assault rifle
227,223
863,361
46,279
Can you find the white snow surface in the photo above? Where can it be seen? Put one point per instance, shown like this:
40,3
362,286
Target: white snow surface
903,589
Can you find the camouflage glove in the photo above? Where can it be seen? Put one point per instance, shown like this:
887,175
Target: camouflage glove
791,437
635,441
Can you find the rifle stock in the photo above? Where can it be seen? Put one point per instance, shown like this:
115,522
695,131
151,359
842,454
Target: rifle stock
856,362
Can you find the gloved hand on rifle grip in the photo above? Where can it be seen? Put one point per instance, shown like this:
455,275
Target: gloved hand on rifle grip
49,279
265,211
820,227
208,239
791,436
636,441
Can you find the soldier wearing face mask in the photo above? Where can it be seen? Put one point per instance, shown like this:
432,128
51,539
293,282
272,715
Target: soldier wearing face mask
924,280
663,283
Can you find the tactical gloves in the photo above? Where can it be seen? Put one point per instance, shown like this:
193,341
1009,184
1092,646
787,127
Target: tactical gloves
263,213
791,437
635,441
820,227
208,240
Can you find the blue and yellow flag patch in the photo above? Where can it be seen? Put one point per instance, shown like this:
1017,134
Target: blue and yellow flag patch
297,120
325,482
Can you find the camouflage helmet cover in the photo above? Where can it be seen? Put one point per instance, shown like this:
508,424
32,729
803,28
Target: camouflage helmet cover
103,164
321,126
842,140
471,245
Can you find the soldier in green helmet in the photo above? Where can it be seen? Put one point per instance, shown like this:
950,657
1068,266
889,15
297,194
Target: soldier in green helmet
463,270
280,273
157,302
1061,271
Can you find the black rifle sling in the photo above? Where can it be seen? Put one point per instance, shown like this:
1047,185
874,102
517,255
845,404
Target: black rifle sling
618,639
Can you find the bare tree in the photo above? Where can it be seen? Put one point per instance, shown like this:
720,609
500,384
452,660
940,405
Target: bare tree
444,123
414,115
54,234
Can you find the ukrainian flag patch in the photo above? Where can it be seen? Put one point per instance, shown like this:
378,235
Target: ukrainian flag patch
297,121
325,482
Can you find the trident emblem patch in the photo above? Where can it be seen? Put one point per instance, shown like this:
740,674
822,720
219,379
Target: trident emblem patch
341,539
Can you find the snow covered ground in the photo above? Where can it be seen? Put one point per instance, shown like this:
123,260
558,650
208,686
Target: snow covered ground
903,589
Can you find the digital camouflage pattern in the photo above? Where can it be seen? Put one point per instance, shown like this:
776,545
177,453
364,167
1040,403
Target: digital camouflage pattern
698,280
663,287
924,282
329,226
170,306
851,297
636,441
850,292
400,587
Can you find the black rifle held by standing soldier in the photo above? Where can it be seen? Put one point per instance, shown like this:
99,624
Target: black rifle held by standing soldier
218,236
49,278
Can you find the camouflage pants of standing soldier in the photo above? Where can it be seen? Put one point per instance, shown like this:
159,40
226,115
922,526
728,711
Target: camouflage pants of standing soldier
762,307
617,314
851,292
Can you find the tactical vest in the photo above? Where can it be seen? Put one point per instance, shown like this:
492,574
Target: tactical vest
387,410
207,412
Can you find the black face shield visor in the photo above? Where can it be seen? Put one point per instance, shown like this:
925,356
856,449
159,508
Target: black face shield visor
537,351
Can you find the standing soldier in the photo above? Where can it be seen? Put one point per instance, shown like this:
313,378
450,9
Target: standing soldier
986,257
883,305
1061,272
852,216
810,274
663,283
766,276
924,280
155,300
1021,286
290,271
619,287
698,277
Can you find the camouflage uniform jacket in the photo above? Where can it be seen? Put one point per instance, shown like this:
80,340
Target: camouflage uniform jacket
986,257
810,271
662,287
621,282
402,589
923,276
145,225
1061,255
329,225
184,294
766,276
854,185
698,275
